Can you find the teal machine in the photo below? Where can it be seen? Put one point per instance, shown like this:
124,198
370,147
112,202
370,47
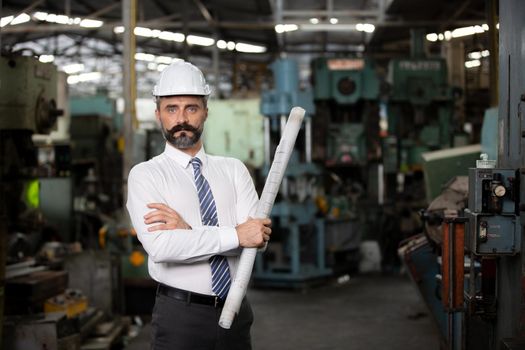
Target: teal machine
296,255
420,110
348,143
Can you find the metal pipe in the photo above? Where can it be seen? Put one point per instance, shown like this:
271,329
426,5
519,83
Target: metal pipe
308,139
129,16
267,145
493,49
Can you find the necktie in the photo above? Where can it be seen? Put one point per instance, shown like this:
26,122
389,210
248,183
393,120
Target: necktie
220,271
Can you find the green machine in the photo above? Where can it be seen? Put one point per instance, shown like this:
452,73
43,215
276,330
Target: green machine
347,141
420,108
346,92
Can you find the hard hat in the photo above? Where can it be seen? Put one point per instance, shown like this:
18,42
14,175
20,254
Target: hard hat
181,78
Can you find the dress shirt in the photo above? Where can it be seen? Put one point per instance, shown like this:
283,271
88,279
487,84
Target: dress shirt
179,258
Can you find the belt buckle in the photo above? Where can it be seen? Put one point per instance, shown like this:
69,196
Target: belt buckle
216,301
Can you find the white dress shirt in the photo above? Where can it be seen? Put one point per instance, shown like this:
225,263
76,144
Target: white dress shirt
179,258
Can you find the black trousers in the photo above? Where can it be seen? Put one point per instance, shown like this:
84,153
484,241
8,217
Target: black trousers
178,325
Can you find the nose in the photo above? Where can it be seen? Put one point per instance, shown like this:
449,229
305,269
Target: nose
181,117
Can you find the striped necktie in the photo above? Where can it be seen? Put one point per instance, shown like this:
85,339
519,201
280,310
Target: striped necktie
220,271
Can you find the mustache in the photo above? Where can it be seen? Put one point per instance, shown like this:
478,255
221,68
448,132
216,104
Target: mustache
183,127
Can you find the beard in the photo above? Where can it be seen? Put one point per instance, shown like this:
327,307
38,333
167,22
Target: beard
184,140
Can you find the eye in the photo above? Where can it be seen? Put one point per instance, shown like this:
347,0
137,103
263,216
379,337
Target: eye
192,109
171,109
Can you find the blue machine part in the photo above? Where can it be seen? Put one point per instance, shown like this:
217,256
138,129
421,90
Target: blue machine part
489,133
286,93
422,264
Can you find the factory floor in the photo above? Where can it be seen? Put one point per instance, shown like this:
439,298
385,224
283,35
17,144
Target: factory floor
366,312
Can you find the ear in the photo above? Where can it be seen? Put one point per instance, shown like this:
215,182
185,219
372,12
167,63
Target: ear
157,115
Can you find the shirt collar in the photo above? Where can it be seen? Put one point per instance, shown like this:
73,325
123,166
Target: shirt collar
183,159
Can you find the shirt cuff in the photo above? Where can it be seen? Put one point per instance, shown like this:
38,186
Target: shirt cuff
229,239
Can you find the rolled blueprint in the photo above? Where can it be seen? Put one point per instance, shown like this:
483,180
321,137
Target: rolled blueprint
264,208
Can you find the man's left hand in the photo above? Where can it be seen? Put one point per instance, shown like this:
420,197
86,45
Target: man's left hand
165,217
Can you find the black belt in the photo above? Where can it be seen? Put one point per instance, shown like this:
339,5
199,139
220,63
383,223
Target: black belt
190,297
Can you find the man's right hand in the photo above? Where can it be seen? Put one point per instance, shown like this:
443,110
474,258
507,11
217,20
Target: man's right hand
254,233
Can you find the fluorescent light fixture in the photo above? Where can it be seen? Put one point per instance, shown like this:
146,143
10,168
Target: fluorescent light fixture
432,37
41,16
199,40
231,45
6,20
460,32
171,36
91,23
21,18
314,20
282,28
141,31
73,68
365,27
221,44
164,59
46,58
476,55
334,20
152,66
119,30
61,19
161,67
249,48
472,64
327,27
141,56
79,78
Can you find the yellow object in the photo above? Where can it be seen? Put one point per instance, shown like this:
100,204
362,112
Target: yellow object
137,258
102,236
32,193
72,305
121,144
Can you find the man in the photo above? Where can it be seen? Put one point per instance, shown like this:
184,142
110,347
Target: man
191,212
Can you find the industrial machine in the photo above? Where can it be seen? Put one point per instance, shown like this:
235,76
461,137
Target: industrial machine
348,143
420,112
296,255
469,269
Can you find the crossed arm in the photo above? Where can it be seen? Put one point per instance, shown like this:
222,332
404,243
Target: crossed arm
253,233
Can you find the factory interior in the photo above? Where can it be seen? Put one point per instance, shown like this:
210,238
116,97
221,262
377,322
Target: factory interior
397,222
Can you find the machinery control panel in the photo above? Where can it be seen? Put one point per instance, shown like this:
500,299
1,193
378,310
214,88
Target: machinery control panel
493,227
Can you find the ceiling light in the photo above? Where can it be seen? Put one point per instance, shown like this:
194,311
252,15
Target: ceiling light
140,56
365,27
141,31
441,36
5,20
161,67
334,20
282,28
152,66
91,23
221,44
485,27
46,58
314,20
164,59
61,19
199,40
73,68
119,29
476,55
231,45
472,64
170,36
21,18
249,48
432,37
41,16
74,79
448,35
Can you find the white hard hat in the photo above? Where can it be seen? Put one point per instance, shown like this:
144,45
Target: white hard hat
181,78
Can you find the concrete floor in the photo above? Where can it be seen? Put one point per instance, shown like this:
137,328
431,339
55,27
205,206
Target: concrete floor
367,312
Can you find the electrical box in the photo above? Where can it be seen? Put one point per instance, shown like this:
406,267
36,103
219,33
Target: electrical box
493,228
